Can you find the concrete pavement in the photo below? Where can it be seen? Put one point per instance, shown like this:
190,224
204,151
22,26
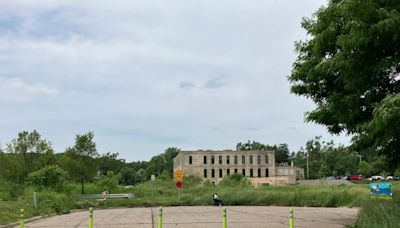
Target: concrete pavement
205,217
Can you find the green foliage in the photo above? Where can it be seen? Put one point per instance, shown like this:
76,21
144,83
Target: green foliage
350,63
379,165
109,182
378,213
364,168
9,190
382,133
235,179
281,150
325,159
397,172
49,177
30,153
80,160
110,162
52,202
192,180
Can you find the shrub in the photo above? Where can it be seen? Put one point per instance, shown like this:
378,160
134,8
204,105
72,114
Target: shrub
48,201
50,177
234,180
109,182
192,180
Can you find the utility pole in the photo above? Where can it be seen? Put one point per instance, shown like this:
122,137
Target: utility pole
308,172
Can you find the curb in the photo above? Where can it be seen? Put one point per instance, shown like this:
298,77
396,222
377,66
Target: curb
34,219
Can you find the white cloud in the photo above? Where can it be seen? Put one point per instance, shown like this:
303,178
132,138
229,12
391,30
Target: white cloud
191,74
16,90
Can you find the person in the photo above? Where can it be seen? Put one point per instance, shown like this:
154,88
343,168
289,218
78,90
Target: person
217,200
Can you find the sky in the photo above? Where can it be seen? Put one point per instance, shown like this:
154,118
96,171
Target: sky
148,75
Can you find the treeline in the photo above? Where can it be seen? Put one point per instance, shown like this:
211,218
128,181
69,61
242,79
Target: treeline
30,152
328,159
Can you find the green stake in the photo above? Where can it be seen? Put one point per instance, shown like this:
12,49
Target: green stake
21,221
91,217
160,218
224,221
291,219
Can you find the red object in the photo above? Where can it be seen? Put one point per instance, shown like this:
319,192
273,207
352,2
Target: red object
178,184
355,177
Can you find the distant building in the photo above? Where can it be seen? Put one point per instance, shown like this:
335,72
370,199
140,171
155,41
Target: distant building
258,166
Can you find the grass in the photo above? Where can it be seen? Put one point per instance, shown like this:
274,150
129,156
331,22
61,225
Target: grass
380,213
10,211
158,193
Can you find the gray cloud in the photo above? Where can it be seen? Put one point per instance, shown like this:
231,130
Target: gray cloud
215,82
186,85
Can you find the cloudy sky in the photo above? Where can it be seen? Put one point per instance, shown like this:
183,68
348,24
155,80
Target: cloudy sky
147,75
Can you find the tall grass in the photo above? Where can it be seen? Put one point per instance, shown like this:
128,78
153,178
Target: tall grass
380,213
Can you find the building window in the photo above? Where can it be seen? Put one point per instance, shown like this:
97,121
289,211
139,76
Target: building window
205,173
205,159
259,159
244,172
228,159
266,159
235,160
220,172
212,173
235,170
259,173
251,172
190,160
228,172
243,159
212,159
266,173
251,159
220,159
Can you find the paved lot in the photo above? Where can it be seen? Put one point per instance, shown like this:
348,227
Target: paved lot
206,217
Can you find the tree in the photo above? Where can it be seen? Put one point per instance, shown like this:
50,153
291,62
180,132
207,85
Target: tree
364,168
351,62
33,151
281,150
49,177
110,162
80,160
382,133
109,182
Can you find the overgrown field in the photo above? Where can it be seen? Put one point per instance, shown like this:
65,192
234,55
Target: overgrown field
165,193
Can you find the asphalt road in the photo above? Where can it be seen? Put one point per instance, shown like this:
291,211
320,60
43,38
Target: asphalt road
206,217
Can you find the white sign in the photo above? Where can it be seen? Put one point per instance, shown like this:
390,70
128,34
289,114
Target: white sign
153,177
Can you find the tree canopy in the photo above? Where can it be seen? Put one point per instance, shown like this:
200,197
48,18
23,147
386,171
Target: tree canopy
350,63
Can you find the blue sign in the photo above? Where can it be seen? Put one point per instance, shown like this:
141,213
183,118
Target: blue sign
384,189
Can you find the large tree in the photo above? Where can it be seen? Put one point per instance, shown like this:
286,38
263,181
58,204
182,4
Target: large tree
32,151
80,160
350,63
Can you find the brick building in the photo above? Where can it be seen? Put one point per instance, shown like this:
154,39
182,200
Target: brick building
258,166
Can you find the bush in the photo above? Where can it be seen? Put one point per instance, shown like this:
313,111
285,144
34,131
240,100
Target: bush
191,180
234,180
9,190
50,177
53,202
109,182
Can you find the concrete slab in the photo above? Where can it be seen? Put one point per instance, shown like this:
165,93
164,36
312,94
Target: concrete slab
206,217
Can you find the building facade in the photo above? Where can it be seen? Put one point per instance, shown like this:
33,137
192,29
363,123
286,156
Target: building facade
258,166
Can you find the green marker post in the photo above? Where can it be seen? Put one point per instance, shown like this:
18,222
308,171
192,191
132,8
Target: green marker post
291,219
91,217
160,215
224,220
21,221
